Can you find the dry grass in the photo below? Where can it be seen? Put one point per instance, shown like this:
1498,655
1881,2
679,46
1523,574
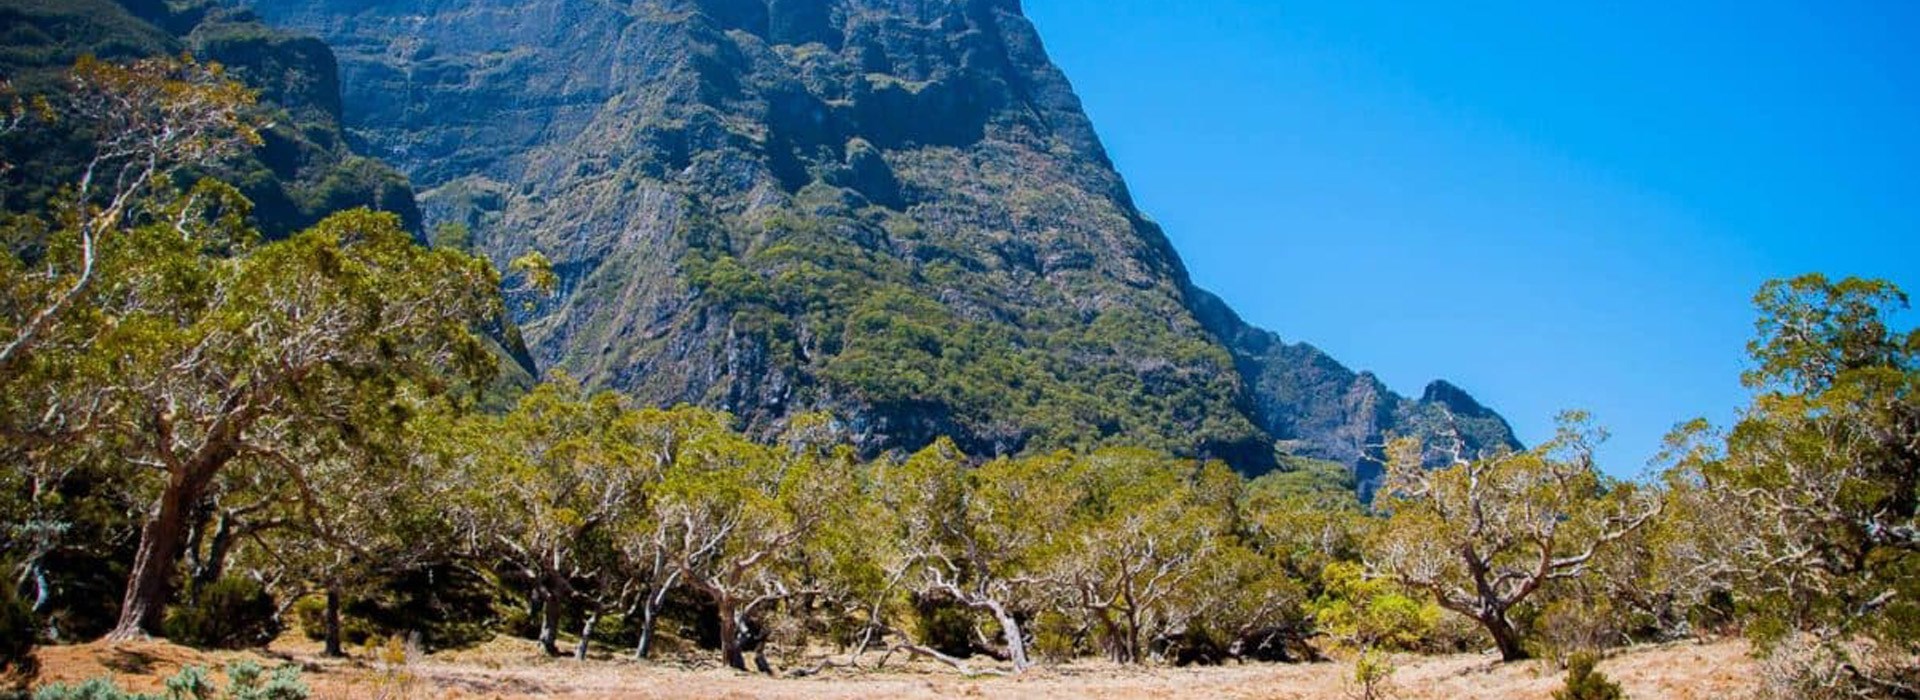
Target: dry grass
511,669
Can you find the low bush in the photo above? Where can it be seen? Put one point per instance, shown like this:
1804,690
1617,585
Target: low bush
18,632
1584,683
1804,667
245,681
1569,627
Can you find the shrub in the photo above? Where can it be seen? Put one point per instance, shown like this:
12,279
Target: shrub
245,681
99,688
448,606
1371,613
310,615
17,635
231,613
1803,667
1571,626
1584,683
1373,675
1453,633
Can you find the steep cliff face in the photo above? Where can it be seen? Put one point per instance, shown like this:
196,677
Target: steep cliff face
303,171
892,209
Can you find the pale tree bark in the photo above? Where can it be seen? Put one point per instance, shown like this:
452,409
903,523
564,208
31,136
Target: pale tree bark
1504,523
651,602
586,635
1016,642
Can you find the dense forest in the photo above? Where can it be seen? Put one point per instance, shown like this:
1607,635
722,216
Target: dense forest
216,436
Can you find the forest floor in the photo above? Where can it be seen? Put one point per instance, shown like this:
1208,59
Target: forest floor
511,669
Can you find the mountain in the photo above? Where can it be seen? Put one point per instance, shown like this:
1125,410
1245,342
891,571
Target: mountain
304,169
1318,408
895,210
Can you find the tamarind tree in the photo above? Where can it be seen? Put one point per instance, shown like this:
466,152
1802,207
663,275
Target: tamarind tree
1484,535
1811,502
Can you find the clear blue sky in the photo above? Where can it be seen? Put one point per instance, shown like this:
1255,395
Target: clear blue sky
1555,205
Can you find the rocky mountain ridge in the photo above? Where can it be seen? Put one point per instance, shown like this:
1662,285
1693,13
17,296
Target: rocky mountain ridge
892,209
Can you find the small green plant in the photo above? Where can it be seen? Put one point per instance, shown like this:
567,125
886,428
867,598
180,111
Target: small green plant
1373,675
190,682
97,688
1584,683
245,681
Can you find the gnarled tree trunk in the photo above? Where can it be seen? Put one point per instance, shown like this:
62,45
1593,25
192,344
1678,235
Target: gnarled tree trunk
730,633
1505,637
149,583
1016,641
649,617
218,549
550,624
650,604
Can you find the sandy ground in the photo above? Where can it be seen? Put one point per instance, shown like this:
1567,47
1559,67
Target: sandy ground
508,669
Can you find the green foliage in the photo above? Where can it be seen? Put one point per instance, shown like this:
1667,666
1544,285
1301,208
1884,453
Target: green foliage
1807,509
1056,637
130,295
1483,536
1584,683
310,617
18,634
537,271
452,235
1307,515
1564,626
1371,613
245,681
230,613
1373,675
821,301
446,606
98,688
949,629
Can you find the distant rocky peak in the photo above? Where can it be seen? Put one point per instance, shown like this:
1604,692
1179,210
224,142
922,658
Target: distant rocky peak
894,210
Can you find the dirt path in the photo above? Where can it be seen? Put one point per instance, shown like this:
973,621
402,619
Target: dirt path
507,670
